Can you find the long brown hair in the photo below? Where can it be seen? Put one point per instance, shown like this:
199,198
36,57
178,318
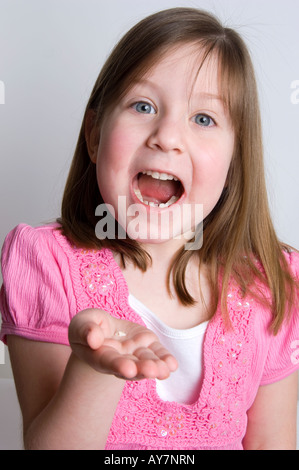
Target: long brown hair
239,230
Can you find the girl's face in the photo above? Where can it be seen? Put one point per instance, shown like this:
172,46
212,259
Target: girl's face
165,148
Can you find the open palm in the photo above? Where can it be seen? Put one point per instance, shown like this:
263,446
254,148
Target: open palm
119,347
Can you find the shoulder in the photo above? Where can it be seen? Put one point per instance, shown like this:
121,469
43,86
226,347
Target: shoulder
24,238
283,348
26,248
36,298
38,247
277,355
33,251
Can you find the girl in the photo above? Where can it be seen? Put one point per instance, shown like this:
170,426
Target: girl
129,337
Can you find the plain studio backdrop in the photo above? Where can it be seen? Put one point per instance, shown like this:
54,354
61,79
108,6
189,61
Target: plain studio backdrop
51,52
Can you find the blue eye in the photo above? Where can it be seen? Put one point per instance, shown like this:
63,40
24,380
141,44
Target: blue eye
203,120
144,108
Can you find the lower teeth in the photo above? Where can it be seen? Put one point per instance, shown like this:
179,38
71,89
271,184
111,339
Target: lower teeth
171,201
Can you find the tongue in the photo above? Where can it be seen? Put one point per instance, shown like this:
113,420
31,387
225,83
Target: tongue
158,191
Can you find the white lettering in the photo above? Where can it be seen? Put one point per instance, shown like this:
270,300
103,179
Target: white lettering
105,228
142,223
115,460
295,94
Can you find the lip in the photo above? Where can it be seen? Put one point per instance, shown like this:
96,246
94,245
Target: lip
134,186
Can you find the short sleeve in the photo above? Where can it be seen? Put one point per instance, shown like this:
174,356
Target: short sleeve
35,298
283,353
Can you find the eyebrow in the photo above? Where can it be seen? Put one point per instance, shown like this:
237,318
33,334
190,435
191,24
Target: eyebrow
210,96
200,94
144,81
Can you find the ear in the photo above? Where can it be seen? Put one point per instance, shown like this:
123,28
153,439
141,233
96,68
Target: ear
92,135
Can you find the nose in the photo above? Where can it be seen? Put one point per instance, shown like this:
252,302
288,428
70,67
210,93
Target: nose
167,136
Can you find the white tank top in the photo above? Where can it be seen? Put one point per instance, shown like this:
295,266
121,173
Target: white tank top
183,385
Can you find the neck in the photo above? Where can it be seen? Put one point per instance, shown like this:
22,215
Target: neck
162,254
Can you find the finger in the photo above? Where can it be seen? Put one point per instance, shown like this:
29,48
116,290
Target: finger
94,336
145,354
86,334
130,366
88,328
163,354
112,361
150,365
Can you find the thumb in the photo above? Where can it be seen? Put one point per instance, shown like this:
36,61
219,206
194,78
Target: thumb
85,329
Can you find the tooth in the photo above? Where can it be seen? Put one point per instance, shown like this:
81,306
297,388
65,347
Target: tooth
162,205
138,194
159,176
172,200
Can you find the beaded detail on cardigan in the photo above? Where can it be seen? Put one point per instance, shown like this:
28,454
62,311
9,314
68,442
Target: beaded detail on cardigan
218,418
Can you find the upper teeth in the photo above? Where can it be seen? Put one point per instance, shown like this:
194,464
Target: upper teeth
160,176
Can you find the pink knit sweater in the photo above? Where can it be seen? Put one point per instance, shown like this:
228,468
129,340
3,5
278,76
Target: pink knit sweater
47,281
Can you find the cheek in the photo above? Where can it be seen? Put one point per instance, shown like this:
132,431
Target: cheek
211,171
113,159
112,149
218,154
212,166
113,153
216,173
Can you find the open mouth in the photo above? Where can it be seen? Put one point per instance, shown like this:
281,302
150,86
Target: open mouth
158,189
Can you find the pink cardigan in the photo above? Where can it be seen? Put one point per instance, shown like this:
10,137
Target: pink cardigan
47,281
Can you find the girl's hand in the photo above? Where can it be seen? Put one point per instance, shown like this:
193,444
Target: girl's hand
119,347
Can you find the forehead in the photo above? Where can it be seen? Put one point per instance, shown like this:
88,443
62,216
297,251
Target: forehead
184,66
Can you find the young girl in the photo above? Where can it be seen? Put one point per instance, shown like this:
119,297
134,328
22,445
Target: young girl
136,339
